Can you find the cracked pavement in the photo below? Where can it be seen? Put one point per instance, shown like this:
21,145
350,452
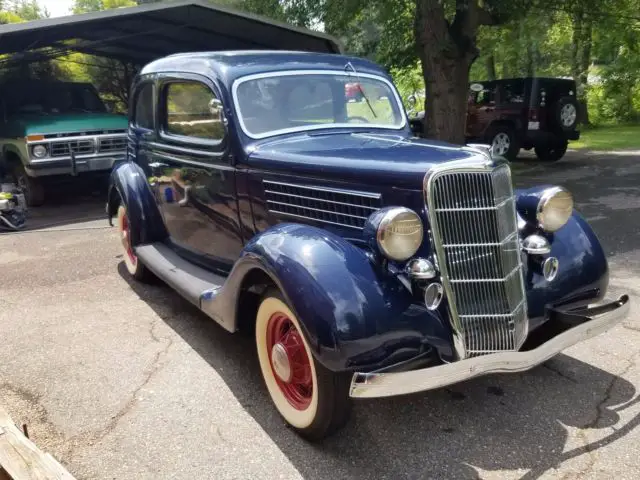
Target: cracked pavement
122,380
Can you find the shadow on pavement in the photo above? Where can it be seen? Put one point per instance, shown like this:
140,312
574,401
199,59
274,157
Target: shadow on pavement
497,422
67,206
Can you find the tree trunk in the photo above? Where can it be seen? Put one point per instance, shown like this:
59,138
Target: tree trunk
585,63
446,50
446,90
581,43
491,67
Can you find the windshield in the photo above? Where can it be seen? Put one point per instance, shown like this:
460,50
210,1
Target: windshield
292,101
60,98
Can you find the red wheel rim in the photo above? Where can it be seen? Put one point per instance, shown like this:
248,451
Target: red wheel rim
126,239
295,383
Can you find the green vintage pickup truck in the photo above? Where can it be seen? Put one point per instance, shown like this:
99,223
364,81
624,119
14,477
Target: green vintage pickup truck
53,129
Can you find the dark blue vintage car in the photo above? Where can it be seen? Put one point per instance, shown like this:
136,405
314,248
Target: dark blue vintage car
368,263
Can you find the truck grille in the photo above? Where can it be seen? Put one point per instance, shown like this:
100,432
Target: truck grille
79,147
327,205
473,219
112,144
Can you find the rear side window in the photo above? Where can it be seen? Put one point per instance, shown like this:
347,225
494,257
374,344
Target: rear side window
192,111
487,96
143,116
513,92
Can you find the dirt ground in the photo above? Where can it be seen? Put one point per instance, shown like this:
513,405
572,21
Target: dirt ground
120,380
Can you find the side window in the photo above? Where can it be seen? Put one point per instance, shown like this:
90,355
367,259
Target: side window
487,96
143,115
192,110
513,92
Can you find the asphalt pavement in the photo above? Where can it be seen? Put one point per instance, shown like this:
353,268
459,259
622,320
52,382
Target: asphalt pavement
120,380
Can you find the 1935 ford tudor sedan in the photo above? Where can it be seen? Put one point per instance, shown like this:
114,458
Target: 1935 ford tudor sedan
368,263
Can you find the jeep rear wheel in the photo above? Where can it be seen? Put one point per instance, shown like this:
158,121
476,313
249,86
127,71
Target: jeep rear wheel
504,142
312,400
552,152
32,188
567,114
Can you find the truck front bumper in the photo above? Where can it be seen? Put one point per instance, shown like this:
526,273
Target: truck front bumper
62,166
573,326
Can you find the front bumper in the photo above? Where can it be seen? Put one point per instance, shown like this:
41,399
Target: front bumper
576,326
84,164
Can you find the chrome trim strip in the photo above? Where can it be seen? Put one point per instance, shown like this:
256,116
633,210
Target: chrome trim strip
315,219
375,385
375,196
301,207
286,73
322,199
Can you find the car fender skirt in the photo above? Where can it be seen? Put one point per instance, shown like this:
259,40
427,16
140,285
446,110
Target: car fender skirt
354,313
128,184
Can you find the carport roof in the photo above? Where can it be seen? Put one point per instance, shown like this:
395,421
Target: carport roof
147,32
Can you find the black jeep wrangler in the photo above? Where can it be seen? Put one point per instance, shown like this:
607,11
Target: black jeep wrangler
515,113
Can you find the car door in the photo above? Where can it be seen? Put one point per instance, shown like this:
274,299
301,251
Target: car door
195,181
481,110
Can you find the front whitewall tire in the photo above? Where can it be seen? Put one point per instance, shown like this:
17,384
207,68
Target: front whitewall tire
297,418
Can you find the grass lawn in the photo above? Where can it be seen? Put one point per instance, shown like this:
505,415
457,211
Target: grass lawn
614,137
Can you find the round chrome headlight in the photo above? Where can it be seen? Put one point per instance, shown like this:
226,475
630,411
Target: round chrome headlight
554,209
39,151
399,234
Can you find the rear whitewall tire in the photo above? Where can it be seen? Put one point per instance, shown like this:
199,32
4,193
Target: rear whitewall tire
134,266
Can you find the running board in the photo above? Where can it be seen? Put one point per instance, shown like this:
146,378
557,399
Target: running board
195,284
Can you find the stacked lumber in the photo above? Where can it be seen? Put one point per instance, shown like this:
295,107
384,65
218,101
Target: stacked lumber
21,459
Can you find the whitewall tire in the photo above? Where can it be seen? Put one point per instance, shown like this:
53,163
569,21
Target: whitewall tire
135,268
312,400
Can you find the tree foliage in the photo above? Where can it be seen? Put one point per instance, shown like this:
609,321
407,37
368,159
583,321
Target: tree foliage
436,46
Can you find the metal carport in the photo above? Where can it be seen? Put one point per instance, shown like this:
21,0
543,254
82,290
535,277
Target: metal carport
144,33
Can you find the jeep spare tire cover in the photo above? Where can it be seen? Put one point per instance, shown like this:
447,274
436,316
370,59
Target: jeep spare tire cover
566,113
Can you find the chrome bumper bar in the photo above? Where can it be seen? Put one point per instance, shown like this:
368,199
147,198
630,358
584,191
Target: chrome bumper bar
589,323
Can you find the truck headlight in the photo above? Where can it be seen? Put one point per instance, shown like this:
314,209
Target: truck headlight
399,234
554,208
39,151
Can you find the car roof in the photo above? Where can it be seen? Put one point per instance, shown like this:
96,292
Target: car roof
227,66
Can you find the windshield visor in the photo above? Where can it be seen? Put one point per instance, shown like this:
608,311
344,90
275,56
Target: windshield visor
272,104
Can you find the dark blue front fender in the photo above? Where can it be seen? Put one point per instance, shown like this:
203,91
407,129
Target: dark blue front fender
583,274
128,183
354,313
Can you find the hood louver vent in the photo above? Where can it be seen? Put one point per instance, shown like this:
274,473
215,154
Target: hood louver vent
344,208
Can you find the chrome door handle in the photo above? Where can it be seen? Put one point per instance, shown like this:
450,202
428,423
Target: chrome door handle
185,198
157,165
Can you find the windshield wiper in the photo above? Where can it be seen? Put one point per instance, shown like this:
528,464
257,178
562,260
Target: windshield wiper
364,95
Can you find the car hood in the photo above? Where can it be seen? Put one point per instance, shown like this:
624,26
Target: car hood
361,157
82,122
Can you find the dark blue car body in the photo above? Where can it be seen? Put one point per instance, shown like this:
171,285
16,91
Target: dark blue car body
244,225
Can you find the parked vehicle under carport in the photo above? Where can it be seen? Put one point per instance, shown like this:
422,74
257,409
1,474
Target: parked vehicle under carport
50,130
34,148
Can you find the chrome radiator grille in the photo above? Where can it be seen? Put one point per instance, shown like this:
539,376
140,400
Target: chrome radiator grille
112,144
474,223
345,208
79,147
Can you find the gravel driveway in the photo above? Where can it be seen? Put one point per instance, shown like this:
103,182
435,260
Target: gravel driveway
120,380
